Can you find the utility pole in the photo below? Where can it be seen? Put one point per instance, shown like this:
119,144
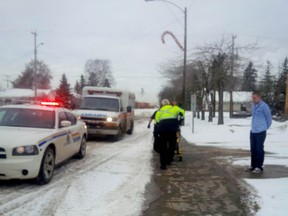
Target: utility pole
184,11
231,76
35,63
286,98
7,81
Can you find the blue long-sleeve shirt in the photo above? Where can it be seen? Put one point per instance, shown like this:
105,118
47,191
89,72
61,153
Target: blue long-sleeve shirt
261,117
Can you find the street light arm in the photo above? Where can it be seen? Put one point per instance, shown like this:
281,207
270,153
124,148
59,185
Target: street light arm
172,3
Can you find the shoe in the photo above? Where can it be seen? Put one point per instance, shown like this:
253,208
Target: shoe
163,167
249,169
257,170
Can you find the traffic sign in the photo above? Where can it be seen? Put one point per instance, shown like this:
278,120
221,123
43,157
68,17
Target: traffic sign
193,102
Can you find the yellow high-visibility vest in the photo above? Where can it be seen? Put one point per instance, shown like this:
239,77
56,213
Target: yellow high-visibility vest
167,112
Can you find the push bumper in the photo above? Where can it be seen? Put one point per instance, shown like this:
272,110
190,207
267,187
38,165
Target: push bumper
20,167
102,128
102,131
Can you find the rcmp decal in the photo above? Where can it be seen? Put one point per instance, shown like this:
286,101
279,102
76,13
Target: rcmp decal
52,137
76,137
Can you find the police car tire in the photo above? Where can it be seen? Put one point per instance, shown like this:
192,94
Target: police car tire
42,178
82,151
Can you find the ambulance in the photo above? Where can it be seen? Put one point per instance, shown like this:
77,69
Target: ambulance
107,111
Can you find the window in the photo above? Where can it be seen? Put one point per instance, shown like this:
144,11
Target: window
98,103
72,118
61,117
34,118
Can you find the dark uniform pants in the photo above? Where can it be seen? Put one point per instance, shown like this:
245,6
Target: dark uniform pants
167,144
257,149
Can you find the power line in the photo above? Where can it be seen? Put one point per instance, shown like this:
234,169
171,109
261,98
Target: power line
17,59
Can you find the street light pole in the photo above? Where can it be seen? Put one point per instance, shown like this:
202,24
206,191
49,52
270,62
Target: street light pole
35,63
185,60
185,48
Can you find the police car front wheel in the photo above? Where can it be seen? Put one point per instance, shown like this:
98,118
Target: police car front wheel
82,151
47,167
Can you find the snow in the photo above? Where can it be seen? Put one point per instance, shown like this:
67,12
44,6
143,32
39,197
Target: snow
110,181
144,112
235,134
273,193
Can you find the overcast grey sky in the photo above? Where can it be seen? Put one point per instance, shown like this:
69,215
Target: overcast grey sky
127,32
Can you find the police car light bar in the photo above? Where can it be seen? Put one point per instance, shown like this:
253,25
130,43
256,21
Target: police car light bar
50,103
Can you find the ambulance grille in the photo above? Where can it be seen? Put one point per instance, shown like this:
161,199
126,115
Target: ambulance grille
93,119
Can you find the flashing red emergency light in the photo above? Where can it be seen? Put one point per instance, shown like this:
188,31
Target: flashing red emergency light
44,103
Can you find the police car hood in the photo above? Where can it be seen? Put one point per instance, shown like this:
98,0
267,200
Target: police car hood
11,137
96,113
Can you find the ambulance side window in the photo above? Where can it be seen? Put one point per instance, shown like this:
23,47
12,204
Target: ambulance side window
61,117
72,118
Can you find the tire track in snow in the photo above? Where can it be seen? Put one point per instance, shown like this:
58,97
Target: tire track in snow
33,192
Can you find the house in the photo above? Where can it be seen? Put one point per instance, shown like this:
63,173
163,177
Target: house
239,98
19,96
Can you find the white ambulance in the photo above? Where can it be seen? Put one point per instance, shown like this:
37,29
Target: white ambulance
107,111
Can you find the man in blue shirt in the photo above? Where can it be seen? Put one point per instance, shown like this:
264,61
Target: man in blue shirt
261,122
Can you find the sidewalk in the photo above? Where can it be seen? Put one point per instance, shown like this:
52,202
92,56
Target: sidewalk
203,184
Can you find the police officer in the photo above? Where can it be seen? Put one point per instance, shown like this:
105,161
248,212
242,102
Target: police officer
182,111
167,126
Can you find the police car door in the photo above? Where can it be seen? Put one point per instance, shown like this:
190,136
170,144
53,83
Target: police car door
74,131
65,139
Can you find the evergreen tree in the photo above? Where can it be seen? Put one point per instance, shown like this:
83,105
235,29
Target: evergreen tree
63,92
281,82
26,78
267,85
249,78
77,87
82,82
107,83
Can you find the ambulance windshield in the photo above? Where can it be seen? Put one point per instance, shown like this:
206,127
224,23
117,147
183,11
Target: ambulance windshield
99,103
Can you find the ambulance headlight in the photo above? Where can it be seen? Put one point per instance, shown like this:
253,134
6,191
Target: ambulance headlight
109,119
25,150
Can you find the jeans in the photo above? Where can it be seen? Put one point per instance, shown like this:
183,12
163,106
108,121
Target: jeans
257,149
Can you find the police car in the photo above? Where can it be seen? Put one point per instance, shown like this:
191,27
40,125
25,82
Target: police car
36,138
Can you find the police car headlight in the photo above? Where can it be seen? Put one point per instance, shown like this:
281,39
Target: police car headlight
25,150
109,119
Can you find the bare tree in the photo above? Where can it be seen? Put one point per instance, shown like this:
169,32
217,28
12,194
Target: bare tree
99,73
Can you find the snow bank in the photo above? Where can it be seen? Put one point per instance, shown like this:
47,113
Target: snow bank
273,193
235,134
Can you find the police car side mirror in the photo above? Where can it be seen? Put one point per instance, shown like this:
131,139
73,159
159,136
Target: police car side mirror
66,123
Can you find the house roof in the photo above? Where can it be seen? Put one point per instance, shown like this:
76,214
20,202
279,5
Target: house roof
22,93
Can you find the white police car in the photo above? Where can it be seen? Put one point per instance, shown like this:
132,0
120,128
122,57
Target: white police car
34,139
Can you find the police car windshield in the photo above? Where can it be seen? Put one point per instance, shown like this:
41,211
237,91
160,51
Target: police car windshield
31,118
95,103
